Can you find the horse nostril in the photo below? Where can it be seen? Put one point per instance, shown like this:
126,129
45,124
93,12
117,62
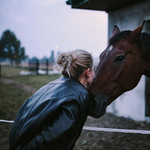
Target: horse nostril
94,79
115,80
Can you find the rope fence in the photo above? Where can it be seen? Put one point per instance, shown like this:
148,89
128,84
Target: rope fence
103,129
116,130
6,121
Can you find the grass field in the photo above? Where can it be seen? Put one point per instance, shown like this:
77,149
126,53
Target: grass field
8,70
12,97
35,81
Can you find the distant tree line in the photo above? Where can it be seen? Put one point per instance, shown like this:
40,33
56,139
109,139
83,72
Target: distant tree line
10,47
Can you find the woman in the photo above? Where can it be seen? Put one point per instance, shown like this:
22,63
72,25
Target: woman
52,119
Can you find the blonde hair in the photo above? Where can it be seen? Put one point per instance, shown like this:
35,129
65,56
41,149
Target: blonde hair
74,63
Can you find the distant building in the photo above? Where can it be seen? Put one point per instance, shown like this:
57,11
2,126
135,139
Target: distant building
127,15
44,58
52,59
58,53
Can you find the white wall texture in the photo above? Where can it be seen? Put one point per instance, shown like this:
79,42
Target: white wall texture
131,104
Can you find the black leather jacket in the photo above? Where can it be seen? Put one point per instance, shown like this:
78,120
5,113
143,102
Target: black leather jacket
53,117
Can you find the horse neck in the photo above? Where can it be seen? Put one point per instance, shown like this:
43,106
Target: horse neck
94,88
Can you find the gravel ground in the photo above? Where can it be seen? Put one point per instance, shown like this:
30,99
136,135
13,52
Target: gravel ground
96,140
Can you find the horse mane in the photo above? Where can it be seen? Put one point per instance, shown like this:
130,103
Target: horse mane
143,40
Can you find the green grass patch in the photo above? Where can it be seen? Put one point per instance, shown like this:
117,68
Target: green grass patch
34,81
11,99
10,70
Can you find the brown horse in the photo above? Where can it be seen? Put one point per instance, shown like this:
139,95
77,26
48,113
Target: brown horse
122,64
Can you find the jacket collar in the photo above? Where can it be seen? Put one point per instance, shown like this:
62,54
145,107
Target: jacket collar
64,78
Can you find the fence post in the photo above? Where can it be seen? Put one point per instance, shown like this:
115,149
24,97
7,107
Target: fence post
0,70
46,66
37,66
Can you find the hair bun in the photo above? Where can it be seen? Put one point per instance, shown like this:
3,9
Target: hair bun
73,63
61,59
72,56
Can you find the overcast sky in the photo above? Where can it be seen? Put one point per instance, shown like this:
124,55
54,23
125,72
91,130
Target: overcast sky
45,25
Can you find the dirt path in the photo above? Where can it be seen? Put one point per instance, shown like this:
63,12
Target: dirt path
19,85
95,140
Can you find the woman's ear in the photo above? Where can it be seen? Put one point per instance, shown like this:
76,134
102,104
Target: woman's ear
87,73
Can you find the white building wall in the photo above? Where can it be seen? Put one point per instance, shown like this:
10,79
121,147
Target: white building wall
131,104
130,17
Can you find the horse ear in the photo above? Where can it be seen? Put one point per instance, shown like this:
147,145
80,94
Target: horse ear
116,30
136,33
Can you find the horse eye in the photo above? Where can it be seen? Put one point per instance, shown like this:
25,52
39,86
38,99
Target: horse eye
119,58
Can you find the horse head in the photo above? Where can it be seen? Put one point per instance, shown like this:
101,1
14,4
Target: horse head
121,65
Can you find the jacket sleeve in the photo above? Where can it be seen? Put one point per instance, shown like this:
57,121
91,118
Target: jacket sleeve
97,107
58,132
